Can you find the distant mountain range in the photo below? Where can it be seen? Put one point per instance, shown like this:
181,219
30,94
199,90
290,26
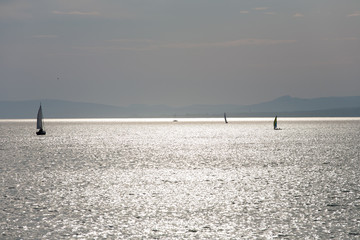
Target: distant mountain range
283,106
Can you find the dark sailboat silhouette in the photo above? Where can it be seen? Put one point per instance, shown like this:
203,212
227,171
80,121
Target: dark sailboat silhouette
40,122
275,124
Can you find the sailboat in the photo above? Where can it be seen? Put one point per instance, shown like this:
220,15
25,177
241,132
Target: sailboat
275,124
40,122
225,118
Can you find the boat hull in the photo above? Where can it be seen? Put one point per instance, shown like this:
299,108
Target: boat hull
40,132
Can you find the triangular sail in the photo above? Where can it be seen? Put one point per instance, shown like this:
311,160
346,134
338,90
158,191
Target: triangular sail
39,122
275,122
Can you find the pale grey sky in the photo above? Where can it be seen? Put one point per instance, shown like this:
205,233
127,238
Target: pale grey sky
178,52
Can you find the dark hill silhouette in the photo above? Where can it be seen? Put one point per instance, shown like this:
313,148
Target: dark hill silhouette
284,106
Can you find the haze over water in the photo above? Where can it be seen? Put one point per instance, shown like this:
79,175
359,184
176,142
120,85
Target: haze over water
196,178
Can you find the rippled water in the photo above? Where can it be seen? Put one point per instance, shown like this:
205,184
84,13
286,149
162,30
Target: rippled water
197,178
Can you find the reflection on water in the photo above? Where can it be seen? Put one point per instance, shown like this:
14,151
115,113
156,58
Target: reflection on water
152,178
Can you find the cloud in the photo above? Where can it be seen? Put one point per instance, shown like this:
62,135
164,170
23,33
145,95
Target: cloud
260,8
126,40
94,13
298,15
354,14
235,43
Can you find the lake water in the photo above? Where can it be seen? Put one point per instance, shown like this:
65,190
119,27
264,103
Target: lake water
195,179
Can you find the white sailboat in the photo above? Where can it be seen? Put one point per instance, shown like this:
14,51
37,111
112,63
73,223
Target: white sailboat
225,118
40,122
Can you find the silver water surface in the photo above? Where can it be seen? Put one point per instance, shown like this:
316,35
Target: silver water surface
155,179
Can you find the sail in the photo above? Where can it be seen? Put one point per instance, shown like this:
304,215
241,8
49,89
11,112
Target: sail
275,122
225,118
39,122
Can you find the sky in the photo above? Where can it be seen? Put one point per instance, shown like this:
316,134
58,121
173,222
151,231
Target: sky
178,52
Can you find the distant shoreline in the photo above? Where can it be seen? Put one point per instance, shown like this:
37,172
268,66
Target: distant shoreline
323,113
284,106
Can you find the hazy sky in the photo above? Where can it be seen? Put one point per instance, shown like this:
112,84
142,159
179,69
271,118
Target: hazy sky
178,52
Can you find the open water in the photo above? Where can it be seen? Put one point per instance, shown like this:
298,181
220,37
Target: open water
193,179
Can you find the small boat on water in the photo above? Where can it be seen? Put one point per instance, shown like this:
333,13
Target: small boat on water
40,122
225,118
175,120
275,124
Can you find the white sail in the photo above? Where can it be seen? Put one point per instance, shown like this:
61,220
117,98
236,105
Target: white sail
39,122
